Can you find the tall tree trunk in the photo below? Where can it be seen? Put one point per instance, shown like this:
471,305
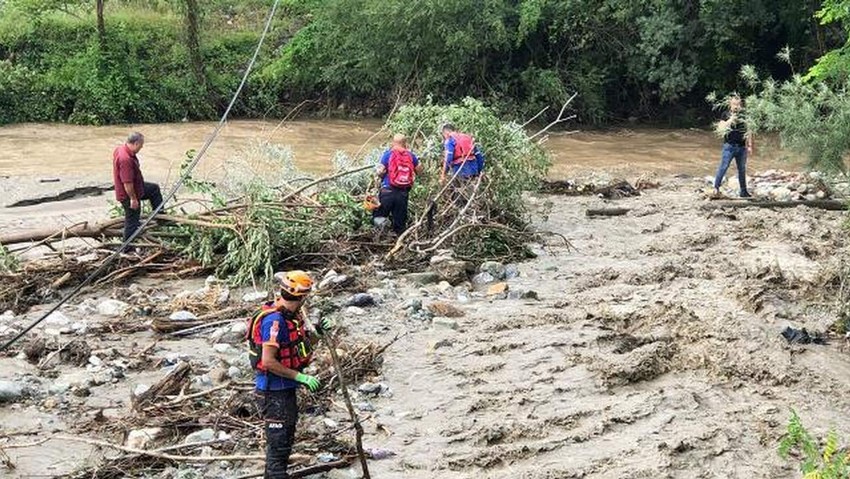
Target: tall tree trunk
101,27
193,43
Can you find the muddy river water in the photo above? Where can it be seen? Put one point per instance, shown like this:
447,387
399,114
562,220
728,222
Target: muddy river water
61,150
38,160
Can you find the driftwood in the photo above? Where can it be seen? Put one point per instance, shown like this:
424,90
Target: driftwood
607,212
831,205
358,428
216,318
171,384
82,230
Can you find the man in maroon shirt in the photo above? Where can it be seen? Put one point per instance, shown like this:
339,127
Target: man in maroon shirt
130,185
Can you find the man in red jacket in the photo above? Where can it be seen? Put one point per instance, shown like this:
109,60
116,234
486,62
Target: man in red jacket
130,185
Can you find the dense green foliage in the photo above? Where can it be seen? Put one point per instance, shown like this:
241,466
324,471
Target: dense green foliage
643,58
514,163
835,65
257,236
651,59
53,67
810,116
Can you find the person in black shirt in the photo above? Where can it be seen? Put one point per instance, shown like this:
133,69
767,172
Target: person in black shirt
737,144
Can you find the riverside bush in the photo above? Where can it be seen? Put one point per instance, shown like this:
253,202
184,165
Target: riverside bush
56,69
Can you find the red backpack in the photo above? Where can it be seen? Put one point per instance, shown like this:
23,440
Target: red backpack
464,147
400,169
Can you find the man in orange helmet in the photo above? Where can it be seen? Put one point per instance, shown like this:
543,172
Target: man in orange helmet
280,348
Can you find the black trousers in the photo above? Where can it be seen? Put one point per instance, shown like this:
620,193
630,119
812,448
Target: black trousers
279,409
131,216
393,205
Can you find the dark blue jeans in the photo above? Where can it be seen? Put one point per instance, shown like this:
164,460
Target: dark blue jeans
739,153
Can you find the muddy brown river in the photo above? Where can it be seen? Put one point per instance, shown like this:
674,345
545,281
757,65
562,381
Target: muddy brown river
61,150
67,156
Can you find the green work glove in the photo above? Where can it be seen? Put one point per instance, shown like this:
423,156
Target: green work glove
310,381
325,326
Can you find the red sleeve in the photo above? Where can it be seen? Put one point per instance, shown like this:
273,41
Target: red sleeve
126,172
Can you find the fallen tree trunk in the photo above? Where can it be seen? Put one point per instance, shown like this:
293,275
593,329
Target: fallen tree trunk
83,230
607,212
831,205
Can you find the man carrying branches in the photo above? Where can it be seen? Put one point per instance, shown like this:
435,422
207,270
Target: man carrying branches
737,144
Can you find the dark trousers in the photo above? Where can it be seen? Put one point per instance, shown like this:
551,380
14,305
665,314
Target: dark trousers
279,409
393,205
131,216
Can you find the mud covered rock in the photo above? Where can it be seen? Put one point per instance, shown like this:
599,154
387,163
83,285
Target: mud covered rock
422,279
112,308
254,296
496,269
204,435
483,278
11,391
453,271
141,438
361,300
444,309
642,363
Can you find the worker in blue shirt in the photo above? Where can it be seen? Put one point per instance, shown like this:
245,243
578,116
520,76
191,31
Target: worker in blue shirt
397,174
462,155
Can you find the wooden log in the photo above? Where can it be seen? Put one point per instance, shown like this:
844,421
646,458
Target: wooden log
607,212
171,384
82,230
830,205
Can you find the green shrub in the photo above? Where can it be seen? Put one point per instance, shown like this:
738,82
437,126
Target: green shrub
828,461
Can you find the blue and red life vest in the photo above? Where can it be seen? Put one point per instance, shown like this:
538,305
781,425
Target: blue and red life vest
464,147
296,355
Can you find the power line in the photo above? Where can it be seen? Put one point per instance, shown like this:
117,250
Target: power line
167,198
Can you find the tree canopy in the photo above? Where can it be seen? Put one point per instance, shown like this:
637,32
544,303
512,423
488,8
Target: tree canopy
645,60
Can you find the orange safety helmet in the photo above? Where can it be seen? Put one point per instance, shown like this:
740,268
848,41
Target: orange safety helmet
295,283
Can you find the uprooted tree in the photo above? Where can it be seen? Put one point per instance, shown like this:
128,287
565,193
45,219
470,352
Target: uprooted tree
265,213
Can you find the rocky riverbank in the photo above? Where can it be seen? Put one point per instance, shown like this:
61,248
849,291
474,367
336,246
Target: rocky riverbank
648,346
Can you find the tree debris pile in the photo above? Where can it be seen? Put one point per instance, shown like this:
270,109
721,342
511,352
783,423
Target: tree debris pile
480,218
611,190
181,414
266,214
40,281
